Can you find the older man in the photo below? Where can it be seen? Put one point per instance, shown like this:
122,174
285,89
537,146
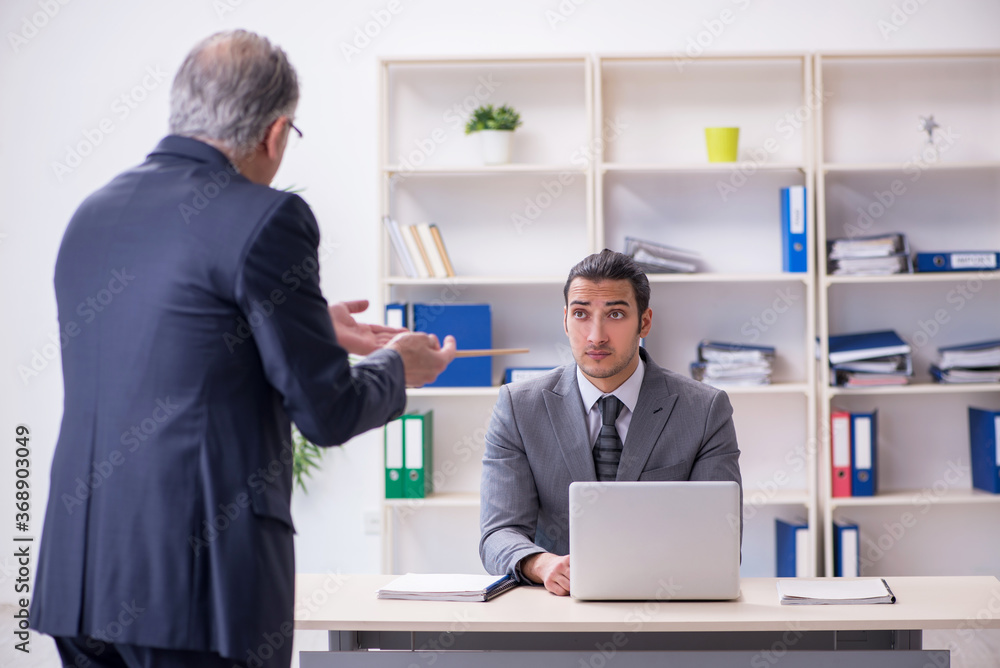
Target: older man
168,536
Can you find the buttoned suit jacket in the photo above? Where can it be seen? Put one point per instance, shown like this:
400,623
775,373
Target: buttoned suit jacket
537,444
196,331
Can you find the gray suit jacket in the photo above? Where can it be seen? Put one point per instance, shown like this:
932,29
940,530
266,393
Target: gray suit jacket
537,444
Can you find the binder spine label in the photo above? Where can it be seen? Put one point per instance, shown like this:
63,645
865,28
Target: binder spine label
996,436
863,442
973,260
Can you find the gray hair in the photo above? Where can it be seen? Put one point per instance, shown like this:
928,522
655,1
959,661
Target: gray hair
230,89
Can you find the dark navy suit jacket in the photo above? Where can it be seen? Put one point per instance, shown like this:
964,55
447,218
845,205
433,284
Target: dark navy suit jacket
198,333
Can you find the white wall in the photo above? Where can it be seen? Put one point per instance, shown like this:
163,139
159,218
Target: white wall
61,80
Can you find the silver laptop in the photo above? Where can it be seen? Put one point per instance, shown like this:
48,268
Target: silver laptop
654,540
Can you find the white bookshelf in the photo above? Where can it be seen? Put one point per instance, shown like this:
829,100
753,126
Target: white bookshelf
876,175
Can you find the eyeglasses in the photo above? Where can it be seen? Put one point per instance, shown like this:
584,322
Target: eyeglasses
292,126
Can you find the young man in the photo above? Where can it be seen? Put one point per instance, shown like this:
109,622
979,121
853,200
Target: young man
557,429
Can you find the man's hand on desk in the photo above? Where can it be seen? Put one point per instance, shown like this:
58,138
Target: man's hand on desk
355,337
548,569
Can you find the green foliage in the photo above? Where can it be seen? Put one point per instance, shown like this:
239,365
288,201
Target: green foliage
487,117
306,458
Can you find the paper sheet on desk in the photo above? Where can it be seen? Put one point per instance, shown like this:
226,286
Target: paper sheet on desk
447,587
834,592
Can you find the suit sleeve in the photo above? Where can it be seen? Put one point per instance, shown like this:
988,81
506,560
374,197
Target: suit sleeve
277,288
509,504
719,455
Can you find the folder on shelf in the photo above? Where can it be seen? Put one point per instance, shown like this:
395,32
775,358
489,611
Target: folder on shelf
864,454
979,355
955,375
417,252
846,549
984,428
396,315
400,247
516,374
794,256
734,353
840,453
657,258
471,325
393,435
868,256
792,550
866,345
418,478
957,261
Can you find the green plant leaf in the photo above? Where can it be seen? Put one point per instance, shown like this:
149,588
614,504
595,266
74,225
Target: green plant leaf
305,458
486,117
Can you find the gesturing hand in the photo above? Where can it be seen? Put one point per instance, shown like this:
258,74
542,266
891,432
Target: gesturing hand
355,337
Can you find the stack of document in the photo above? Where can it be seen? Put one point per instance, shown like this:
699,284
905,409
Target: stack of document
450,587
659,259
733,364
968,363
870,358
868,256
834,592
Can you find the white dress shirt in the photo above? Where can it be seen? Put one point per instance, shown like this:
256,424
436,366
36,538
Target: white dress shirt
627,393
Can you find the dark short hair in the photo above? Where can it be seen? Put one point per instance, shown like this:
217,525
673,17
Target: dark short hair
609,265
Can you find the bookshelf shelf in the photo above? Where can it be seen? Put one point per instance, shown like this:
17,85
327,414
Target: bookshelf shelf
481,170
441,500
491,391
774,388
712,277
928,277
868,144
916,389
476,280
910,166
918,497
749,166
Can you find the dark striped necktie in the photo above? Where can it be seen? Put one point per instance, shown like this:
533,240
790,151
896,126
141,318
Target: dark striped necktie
608,450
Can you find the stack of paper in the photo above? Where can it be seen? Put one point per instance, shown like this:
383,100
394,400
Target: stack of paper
834,592
659,259
968,363
870,358
868,256
450,587
729,364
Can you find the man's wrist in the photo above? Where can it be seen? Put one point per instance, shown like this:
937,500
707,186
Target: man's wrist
526,568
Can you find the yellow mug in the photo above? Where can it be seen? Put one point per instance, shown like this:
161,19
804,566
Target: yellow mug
722,144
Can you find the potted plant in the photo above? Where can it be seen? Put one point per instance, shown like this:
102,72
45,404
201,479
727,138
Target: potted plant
495,125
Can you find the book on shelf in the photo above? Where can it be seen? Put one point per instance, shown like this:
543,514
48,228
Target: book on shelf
868,256
846,549
984,432
835,592
794,227
957,261
982,354
409,456
850,379
516,374
957,376
656,258
471,325
419,249
792,550
446,587
864,454
865,346
840,454
733,364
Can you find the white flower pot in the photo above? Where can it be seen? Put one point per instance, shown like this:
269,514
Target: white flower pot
496,146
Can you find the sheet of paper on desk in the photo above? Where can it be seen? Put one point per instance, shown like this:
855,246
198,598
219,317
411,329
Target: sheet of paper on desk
447,587
834,592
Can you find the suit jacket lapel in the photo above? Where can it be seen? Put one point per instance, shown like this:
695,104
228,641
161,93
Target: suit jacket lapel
568,418
651,413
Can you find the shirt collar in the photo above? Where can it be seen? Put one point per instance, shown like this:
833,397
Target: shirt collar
627,392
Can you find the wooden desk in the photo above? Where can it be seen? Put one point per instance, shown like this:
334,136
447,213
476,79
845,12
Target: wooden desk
753,630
